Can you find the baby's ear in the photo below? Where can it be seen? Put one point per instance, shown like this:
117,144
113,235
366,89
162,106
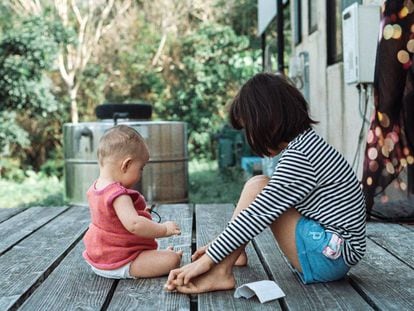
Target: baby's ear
125,164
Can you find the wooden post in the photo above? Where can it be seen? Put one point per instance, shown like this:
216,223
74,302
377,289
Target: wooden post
280,38
263,36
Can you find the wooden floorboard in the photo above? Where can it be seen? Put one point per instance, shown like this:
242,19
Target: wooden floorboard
384,279
25,266
329,296
408,226
6,213
23,224
395,238
210,221
41,267
71,286
149,294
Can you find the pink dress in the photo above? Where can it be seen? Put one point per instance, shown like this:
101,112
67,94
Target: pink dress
108,244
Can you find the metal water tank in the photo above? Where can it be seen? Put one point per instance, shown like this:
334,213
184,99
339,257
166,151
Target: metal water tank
165,177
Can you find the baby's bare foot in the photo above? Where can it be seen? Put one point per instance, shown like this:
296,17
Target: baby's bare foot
178,252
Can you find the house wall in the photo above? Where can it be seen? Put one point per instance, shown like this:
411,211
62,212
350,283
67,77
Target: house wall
333,103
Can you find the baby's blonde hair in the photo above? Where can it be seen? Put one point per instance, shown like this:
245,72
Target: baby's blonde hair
121,141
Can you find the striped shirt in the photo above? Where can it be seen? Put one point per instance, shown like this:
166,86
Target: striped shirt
314,178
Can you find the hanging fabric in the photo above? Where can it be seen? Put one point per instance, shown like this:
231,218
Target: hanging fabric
388,174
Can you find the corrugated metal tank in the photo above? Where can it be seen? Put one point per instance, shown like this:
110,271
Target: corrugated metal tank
165,177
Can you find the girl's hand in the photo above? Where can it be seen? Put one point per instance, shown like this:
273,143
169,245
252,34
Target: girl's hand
199,252
171,228
182,276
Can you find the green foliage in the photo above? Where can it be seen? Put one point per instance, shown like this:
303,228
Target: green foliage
93,81
10,169
210,185
197,73
11,135
25,54
54,164
242,16
35,189
206,186
134,76
5,18
215,62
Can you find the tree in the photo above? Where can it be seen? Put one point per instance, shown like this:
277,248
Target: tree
213,63
90,20
27,52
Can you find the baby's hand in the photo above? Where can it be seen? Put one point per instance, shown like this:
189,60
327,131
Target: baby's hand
172,228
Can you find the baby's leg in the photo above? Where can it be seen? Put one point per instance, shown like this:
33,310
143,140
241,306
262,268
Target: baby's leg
155,263
251,189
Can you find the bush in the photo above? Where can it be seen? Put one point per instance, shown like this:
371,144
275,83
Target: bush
208,184
35,189
214,63
27,53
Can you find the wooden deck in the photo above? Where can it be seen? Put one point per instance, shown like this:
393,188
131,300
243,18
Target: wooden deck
41,267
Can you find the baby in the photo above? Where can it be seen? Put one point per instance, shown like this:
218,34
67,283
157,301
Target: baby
120,242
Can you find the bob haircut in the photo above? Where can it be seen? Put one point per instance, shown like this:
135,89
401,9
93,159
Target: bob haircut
271,110
119,142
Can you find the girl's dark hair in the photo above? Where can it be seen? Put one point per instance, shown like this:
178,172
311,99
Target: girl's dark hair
271,110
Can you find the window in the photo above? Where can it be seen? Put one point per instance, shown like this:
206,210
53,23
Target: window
334,10
347,3
334,30
297,35
313,15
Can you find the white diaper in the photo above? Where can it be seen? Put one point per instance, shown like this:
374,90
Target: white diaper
120,273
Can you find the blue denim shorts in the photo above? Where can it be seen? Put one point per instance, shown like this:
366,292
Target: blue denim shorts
312,244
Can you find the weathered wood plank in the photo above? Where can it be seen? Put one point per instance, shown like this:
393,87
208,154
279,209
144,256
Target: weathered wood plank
6,213
28,263
34,273
71,286
385,280
395,238
329,296
409,226
149,294
210,221
21,225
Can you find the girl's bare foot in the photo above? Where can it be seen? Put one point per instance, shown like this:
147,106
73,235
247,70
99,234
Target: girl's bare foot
241,260
216,279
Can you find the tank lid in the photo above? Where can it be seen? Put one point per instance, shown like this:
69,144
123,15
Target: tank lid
134,111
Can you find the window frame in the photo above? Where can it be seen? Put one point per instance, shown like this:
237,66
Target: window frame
312,16
297,15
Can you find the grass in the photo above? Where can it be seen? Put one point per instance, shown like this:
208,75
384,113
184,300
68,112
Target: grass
36,189
207,184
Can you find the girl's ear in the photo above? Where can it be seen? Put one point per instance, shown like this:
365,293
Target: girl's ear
126,164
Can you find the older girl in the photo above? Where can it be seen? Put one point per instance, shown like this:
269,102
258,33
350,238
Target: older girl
313,203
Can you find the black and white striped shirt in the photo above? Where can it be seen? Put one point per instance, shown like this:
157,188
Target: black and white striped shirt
314,178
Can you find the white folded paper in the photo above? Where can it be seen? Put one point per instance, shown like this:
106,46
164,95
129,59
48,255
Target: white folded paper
264,290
